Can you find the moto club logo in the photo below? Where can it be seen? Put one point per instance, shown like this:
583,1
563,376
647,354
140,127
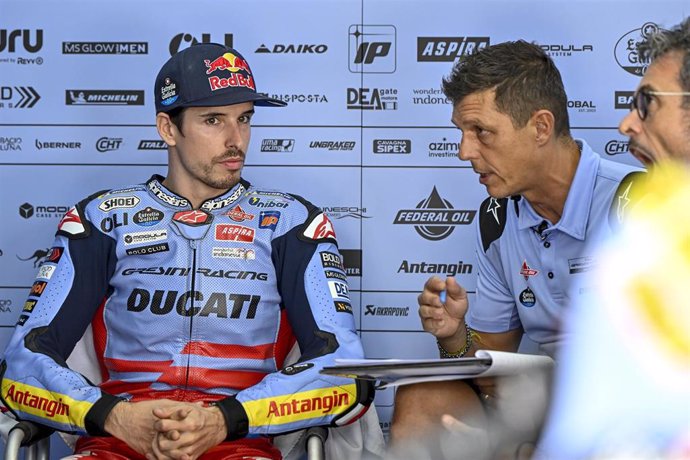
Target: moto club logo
372,48
184,40
434,218
626,53
448,49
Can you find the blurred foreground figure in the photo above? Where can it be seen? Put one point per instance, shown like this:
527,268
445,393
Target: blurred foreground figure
623,388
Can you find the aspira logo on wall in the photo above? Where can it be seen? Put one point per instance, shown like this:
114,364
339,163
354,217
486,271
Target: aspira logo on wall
104,97
448,49
105,48
434,217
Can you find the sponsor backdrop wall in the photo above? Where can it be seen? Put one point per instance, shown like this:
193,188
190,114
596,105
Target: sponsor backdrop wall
366,135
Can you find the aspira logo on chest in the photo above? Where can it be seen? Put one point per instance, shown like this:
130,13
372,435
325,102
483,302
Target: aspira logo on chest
193,303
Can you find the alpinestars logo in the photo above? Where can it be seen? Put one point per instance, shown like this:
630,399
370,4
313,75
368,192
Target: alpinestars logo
434,217
448,49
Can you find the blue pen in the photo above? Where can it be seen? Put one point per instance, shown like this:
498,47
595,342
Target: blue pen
442,296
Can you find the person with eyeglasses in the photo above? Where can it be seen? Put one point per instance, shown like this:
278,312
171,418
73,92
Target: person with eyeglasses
550,197
659,121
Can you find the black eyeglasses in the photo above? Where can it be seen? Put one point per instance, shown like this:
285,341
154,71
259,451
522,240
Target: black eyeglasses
643,97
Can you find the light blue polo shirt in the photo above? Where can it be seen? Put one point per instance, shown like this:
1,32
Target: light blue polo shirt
525,271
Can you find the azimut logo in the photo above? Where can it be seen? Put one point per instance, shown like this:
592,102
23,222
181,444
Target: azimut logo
448,49
434,218
626,53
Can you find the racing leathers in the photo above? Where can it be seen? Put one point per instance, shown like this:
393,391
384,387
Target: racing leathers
190,305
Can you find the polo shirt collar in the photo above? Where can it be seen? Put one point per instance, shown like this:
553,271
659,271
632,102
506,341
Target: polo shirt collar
578,202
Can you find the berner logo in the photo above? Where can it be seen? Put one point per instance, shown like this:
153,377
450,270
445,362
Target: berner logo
626,53
292,49
434,218
154,144
277,145
623,99
103,97
616,147
448,49
105,48
392,146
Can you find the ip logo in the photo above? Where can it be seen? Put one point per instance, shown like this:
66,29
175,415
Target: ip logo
372,49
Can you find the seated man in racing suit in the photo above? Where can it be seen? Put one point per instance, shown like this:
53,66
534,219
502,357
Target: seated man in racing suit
196,286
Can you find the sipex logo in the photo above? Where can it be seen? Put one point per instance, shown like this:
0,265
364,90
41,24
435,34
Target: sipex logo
372,48
443,149
448,49
292,49
107,144
392,146
8,40
105,48
434,217
10,143
372,98
103,97
623,99
18,97
616,147
626,53
183,40
277,145
565,50
152,145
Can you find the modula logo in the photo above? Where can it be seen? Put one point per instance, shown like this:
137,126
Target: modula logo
434,218
626,53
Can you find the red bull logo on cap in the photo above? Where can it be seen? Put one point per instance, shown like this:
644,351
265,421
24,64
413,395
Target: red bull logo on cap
233,64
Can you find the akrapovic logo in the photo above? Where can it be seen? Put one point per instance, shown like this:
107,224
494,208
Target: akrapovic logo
105,48
448,49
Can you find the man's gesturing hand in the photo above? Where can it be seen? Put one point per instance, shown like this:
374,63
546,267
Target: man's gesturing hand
443,320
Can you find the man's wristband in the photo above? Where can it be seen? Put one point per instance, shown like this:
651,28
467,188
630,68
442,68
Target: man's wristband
445,354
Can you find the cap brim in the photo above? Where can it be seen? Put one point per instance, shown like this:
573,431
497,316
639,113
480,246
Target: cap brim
233,97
